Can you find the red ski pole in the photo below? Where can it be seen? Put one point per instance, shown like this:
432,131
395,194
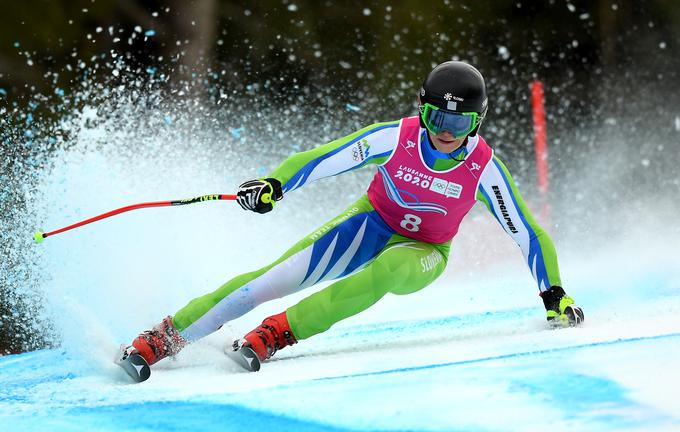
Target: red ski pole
39,236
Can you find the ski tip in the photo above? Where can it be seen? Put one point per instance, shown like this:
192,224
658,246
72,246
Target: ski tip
142,371
134,365
250,358
244,356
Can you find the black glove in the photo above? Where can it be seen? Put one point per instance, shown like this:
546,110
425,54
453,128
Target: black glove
562,311
259,195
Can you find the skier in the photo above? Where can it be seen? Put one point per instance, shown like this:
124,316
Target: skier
432,168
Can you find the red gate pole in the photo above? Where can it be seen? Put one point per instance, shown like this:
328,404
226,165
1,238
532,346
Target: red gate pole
541,147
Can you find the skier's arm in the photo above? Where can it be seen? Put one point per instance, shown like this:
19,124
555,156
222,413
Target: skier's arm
497,190
371,145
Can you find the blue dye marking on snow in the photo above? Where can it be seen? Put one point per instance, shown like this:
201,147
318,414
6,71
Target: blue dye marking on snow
59,92
351,107
591,398
449,323
3,92
151,70
503,357
28,133
150,33
574,392
19,374
167,416
27,383
16,45
168,120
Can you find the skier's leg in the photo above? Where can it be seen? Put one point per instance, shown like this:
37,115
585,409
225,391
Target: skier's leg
403,267
334,250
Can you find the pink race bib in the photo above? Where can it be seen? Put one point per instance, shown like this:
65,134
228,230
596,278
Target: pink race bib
421,203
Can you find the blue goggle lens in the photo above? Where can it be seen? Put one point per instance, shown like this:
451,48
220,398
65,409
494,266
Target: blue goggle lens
438,120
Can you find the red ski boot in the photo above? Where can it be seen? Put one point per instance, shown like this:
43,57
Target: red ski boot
161,341
272,335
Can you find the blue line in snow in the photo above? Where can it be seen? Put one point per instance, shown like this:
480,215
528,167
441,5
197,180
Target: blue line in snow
503,356
168,416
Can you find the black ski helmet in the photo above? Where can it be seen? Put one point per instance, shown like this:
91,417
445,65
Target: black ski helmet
456,86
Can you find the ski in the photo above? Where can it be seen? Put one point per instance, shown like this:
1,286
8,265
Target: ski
243,355
133,364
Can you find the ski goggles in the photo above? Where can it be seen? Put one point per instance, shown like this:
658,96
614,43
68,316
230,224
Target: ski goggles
458,124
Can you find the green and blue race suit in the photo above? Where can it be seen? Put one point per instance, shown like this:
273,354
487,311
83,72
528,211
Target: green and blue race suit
357,249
